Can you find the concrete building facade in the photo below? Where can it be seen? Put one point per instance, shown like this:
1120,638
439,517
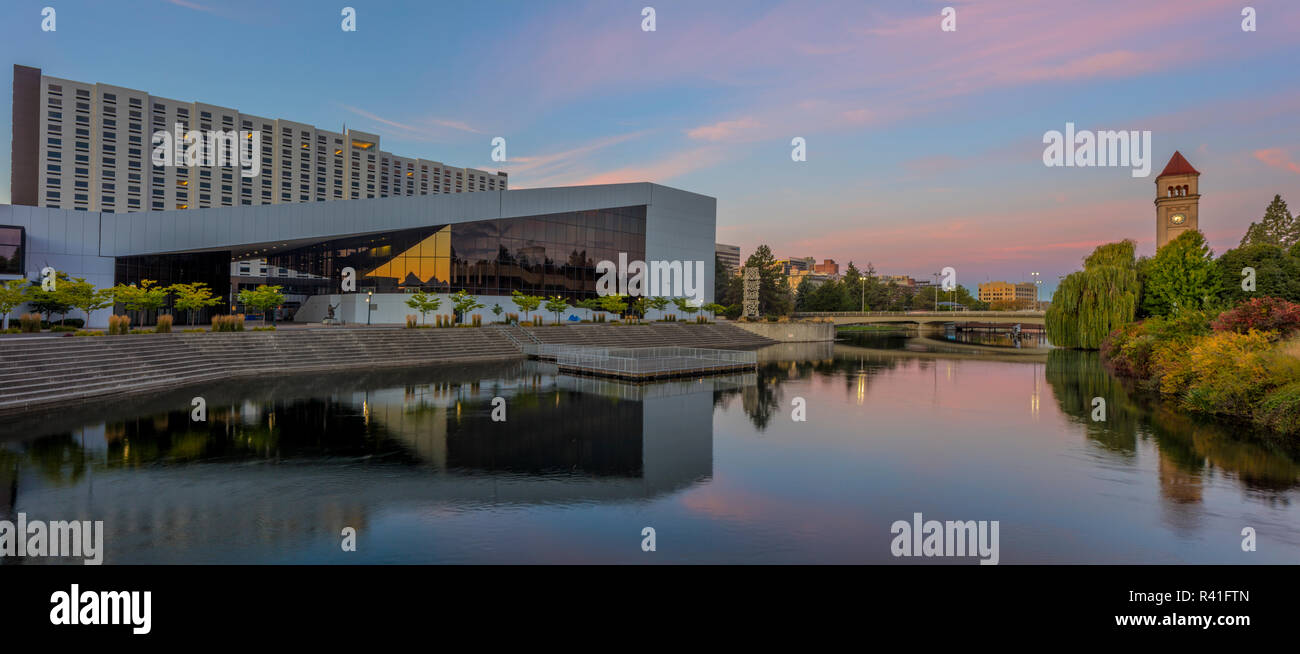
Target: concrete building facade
539,241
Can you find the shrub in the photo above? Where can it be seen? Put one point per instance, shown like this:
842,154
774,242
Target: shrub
12,330
1261,314
119,325
196,330
62,329
164,325
733,311
478,320
82,332
266,328
1227,373
228,323
1131,350
1280,409
411,321
30,323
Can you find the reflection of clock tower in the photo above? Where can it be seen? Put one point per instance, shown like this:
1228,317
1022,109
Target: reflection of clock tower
1177,197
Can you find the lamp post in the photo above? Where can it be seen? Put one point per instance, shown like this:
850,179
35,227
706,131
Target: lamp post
936,292
369,295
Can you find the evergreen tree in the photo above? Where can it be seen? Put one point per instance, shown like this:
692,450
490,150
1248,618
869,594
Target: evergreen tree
1277,273
1277,227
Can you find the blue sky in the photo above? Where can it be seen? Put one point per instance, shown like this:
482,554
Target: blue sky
924,146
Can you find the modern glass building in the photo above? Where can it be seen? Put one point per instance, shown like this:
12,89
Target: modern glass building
537,241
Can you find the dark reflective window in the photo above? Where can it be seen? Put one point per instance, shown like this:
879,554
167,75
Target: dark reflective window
11,250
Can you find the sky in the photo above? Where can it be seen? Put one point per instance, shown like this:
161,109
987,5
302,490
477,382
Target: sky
924,147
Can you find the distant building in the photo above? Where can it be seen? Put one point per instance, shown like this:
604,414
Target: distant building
827,267
730,256
814,279
1023,292
901,280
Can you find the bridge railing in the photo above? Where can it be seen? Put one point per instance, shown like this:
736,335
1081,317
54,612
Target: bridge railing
923,314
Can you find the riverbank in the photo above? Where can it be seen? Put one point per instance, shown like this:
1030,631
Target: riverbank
1244,366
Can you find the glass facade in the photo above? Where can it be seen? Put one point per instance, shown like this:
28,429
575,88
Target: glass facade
212,268
11,250
552,254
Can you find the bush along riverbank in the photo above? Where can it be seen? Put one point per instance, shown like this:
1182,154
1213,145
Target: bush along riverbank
1242,364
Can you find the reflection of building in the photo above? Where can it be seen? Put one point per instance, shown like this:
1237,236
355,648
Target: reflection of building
1025,293
729,255
537,241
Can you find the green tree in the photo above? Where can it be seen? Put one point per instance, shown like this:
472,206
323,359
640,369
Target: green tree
144,298
713,308
526,303
803,295
684,305
613,304
13,293
557,305
193,297
83,295
658,304
464,303
854,290
774,296
1277,227
263,298
591,304
1092,302
1277,273
424,303
1181,277
638,306
496,310
51,302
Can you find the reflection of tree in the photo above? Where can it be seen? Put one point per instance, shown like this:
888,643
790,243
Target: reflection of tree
763,401
58,458
1076,377
1186,445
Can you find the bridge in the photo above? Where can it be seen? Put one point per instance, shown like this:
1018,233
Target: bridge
1007,318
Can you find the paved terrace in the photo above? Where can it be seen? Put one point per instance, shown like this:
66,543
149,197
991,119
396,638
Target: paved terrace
43,371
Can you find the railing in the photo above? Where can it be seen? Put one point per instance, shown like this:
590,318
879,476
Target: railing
651,360
917,314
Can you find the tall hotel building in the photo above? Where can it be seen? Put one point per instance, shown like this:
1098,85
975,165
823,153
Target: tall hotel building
89,147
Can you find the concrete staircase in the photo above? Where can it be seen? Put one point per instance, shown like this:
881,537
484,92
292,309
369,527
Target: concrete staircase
718,336
44,371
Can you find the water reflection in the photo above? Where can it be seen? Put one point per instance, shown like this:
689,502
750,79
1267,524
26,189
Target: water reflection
898,423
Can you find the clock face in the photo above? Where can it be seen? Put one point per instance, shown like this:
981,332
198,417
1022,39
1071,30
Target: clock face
1178,219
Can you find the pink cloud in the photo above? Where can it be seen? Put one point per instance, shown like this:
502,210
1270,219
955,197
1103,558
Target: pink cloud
1277,158
722,131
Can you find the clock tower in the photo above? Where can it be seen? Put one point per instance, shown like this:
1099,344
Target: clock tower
1177,197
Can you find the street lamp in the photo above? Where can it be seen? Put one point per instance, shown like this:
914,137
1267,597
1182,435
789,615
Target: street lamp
936,292
369,295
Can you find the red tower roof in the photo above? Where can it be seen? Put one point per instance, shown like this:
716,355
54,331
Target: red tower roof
1178,166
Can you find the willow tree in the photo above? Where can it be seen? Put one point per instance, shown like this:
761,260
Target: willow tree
1092,302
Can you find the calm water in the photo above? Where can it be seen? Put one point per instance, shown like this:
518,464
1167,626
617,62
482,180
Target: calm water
895,425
